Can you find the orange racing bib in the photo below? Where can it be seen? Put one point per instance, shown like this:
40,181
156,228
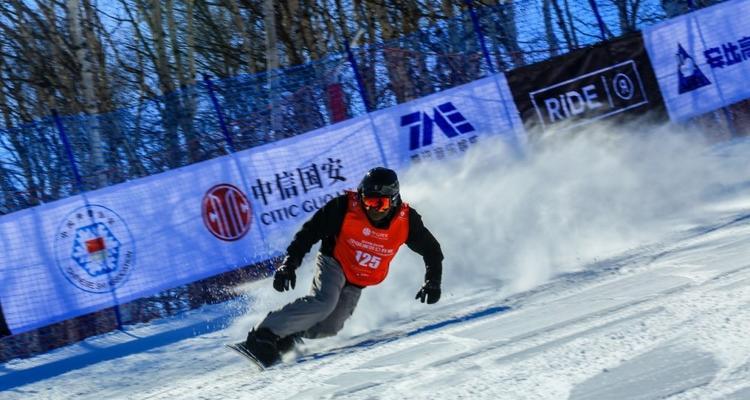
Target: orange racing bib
365,252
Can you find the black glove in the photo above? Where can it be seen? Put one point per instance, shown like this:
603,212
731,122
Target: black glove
285,276
430,291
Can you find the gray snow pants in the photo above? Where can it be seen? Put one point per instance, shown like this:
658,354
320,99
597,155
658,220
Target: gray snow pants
323,312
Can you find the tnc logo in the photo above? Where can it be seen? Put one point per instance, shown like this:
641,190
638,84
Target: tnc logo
446,116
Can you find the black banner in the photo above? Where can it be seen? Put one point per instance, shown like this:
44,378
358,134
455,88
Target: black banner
4,330
603,81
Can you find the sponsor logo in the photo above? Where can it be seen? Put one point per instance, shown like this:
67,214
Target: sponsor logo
374,248
590,97
446,116
689,75
227,212
94,249
378,235
291,184
293,211
728,53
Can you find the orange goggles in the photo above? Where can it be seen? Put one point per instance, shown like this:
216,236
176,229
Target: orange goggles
378,203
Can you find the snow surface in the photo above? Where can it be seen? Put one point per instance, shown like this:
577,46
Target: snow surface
600,266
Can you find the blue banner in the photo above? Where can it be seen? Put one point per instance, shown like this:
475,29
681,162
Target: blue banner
702,59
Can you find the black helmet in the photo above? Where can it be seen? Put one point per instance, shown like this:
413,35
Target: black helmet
380,182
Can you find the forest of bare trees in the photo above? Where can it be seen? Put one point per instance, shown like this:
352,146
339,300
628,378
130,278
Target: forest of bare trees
130,77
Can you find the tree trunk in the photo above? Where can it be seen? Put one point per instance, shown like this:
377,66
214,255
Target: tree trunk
13,201
83,57
311,36
367,65
154,19
570,45
673,8
507,33
396,58
185,96
549,30
573,33
241,28
627,16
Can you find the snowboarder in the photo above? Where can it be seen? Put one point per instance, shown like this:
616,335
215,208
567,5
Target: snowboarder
360,232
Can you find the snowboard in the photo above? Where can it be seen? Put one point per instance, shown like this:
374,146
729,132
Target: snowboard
245,352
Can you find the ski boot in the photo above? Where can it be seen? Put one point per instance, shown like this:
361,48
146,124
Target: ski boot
263,344
288,343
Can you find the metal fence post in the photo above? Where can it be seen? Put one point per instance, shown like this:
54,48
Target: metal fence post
79,184
230,142
68,150
480,35
357,76
219,113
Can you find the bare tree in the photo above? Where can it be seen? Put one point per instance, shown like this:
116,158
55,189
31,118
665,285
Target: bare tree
627,13
565,24
241,27
504,28
396,56
33,74
87,72
549,29
143,58
674,8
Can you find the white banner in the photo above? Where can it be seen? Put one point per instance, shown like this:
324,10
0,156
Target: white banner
702,59
110,246
132,240
449,122
289,180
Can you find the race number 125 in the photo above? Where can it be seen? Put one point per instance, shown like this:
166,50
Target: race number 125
367,260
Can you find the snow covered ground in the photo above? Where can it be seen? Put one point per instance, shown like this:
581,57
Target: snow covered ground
604,266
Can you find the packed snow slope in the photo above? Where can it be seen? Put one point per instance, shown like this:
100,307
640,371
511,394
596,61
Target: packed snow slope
610,264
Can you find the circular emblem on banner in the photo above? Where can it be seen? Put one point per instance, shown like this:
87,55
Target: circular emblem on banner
94,249
623,86
227,212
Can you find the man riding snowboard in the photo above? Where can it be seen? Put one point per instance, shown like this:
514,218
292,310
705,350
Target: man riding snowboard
360,232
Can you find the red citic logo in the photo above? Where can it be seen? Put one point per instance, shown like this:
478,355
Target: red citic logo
227,212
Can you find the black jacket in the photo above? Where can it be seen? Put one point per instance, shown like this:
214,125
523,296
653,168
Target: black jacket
326,223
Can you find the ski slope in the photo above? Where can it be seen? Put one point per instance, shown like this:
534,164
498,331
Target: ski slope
603,266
